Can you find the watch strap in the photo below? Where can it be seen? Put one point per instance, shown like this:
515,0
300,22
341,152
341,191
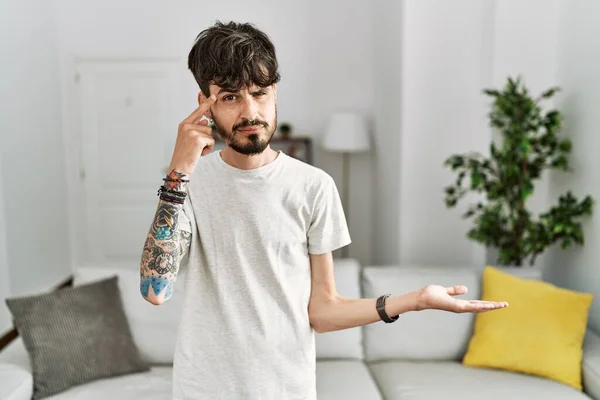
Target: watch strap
381,309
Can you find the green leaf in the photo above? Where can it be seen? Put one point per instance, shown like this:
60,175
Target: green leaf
525,146
476,179
491,92
469,213
526,192
564,145
550,92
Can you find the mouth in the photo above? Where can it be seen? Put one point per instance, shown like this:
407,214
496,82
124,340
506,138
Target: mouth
250,129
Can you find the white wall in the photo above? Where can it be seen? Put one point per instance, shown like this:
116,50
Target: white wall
445,53
450,51
322,57
5,318
387,106
515,39
340,75
578,75
445,64
32,154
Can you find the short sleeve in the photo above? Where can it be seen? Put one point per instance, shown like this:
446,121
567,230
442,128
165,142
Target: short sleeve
188,220
187,223
328,230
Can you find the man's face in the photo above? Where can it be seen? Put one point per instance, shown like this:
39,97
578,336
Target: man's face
245,119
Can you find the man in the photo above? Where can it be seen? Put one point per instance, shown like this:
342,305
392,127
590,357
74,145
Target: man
258,228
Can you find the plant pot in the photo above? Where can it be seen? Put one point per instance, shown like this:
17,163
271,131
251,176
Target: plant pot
525,271
285,130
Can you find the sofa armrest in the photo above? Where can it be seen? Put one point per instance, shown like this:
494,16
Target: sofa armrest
591,364
16,383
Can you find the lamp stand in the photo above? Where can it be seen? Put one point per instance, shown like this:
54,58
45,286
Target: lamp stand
346,193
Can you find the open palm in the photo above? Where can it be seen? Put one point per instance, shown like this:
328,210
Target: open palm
438,297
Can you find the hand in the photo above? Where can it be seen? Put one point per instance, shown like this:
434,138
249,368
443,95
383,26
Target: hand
437,297
194,138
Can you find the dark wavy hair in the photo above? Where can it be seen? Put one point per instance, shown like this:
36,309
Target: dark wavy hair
233,55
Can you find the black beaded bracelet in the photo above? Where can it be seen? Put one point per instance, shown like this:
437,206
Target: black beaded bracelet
381,310
171,199
174,195
178,193
175,180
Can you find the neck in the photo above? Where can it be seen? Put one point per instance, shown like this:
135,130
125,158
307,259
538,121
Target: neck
243,161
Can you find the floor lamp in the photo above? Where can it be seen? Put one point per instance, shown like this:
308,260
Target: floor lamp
346,133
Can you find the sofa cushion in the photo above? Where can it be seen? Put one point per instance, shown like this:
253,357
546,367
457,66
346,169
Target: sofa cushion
15,370
591,364
345,379
540,333
347,343
15,353
423,335
152,385
154,328
16,383
417,380
75,335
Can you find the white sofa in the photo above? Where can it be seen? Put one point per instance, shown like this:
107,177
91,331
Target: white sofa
416,358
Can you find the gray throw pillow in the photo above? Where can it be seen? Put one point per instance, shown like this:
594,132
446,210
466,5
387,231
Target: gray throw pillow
76,335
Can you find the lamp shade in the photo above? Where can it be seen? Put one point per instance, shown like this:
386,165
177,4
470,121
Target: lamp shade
346,132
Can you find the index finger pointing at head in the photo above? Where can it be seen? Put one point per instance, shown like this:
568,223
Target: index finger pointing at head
201,110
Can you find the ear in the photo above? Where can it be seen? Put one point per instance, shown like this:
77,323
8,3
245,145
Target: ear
201,99
275,91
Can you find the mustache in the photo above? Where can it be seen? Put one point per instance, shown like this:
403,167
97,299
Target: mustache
253,122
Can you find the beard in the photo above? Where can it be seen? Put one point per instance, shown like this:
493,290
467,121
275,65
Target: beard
247,144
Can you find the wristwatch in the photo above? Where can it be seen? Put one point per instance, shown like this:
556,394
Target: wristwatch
381,309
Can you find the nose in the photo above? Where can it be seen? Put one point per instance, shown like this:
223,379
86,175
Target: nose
249,109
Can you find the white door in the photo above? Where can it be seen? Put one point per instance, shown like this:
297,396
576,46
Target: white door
129,113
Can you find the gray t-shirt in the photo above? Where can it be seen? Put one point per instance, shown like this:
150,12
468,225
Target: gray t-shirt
245,332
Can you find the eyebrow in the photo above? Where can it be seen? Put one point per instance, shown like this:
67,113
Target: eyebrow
232,90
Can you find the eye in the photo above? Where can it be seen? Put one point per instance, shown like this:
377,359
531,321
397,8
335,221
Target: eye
229,97
261,93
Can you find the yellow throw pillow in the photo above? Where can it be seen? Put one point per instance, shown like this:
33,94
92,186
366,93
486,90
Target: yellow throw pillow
540,333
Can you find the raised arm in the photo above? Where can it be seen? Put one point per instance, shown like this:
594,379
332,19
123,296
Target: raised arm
169,237
167,242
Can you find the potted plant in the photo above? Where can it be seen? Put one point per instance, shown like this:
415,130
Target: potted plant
285,129
529,145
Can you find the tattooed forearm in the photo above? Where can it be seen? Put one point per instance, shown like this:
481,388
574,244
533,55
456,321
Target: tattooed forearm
167,242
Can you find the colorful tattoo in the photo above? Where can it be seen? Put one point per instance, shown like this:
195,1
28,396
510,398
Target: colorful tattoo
163,262
166,220
158,283
176,181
